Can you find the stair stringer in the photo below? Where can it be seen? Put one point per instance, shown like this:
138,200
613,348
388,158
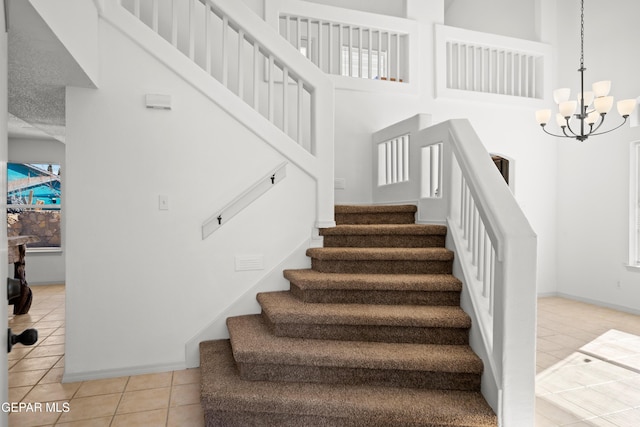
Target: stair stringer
247,302
319,166
478,340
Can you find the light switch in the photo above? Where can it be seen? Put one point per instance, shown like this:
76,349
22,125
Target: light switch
163,202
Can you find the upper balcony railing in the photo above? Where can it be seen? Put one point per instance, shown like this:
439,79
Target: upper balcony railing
485,66
348,43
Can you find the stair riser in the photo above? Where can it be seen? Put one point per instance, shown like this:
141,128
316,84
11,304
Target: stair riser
394,334
268,419
338,296
354,376
382,267
375,218
384,241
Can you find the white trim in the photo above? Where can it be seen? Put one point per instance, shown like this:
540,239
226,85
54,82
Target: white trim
634,205
124,372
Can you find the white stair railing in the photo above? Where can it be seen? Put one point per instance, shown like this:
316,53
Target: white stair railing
266,79
495,250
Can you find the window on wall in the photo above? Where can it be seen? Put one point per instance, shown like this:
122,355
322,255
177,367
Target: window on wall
634,206
33,203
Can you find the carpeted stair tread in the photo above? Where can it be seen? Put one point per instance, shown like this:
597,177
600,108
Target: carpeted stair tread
383,229
381,254
366,209
227,400
311,279
253,343
284,307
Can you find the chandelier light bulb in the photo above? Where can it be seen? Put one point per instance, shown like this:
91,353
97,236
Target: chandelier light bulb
592,117
588,98
602,88
543,116
626,107
561,95
603,104
568,108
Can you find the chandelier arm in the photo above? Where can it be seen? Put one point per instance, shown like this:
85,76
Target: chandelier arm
602,116
568,127
610,130
553,134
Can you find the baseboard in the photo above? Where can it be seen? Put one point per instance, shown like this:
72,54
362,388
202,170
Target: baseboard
598,303
124,372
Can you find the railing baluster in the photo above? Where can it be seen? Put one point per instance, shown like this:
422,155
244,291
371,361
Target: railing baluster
154,15
192,29
225,51
300,110
207,37
481,251
320,47
360,52
330,42
241,64
341,64
256,76
350,50
285,100
287,29
405,140
174,23
388,172
270,96
379,54
492,267
388,55
298,36
370,58
398,57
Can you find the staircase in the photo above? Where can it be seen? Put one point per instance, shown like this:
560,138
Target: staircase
371,335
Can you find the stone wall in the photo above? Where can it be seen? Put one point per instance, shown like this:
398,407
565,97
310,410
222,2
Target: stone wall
41,223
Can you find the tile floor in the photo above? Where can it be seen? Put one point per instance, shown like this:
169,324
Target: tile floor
588,374
588,363
35,373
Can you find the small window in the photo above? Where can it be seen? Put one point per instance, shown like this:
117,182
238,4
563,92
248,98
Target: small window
33,203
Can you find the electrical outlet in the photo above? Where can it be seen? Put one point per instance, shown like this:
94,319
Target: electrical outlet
340,184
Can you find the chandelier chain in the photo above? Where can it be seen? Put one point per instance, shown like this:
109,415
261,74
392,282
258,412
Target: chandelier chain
582,34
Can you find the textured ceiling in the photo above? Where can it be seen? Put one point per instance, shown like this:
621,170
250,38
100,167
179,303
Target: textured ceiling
39,68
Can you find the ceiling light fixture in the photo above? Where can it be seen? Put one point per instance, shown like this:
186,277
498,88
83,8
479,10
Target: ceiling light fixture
589,118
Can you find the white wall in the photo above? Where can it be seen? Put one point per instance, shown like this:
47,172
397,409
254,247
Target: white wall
513,18
593,179
140,281
42,268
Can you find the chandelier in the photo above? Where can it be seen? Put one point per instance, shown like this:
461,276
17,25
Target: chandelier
594,105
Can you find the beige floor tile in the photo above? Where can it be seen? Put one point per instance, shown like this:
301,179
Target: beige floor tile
186,376
60,363
155,418
93,422
105,386
32,419
144,400
18,352
35,363
83,408
143,382
24,378
595,402
630,418
189,415
53,340
53,376
185,394
51,392
46,350
16,394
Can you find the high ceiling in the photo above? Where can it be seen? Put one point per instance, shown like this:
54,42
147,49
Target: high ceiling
39,69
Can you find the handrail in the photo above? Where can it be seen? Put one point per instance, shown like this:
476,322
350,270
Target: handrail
244,199
495,253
